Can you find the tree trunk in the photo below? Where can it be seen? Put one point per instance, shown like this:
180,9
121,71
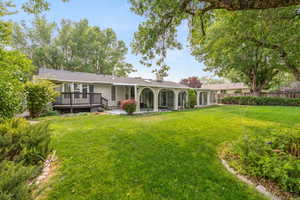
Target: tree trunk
296,73
256,92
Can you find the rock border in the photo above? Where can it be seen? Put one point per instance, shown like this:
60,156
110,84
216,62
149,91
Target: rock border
47,169
260,188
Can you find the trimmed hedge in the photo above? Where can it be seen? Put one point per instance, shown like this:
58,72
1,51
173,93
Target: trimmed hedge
249,100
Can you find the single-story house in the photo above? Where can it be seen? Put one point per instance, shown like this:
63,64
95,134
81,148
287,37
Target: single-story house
227,88
87,91
292,87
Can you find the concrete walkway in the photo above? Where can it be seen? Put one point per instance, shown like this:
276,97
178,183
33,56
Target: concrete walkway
122,112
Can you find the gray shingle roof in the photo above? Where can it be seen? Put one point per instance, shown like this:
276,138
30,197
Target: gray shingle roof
83,77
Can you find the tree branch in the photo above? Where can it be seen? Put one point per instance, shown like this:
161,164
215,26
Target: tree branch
282,52
251,4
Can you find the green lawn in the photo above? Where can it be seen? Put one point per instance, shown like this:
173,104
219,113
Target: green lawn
159,156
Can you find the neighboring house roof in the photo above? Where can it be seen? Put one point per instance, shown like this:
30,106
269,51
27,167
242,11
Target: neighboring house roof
225,86
83,77
293,87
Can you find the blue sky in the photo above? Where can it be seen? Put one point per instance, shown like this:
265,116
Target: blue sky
116,14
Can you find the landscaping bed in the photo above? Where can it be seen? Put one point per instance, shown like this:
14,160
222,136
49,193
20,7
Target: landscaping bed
270,158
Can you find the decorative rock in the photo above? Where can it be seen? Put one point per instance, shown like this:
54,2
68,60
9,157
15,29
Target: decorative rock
259,188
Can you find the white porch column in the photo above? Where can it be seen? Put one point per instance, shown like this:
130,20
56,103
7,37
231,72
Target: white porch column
176,99
137,98
209,98
186,99
156,92
198,98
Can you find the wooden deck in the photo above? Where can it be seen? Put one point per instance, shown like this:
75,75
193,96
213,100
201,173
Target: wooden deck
78,106
80,102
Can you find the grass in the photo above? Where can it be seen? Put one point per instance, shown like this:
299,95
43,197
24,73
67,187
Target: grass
156,157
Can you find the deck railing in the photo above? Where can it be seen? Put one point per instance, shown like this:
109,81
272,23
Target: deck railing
77,98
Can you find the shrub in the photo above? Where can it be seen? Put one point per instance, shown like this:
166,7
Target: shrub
11,98
39,95
249,100
271,155
13,182
192,98
129,106
22,142
15,70
23,148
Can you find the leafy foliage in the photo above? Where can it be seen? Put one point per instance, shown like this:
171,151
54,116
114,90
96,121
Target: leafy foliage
229,48
265,39
192,98
271,155
250,100
129,106
23,149
15,70
39,95
13,183
24,143
75,46
193,82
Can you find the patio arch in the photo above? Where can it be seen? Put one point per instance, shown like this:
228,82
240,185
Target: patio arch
147,99
203,98
182,99
166,99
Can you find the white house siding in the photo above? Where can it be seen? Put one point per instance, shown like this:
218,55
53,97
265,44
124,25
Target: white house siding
120,94
105,90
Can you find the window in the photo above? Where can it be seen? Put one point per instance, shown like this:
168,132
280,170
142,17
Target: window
84,91
132,95
67,90
76,90
113,93
127,92
91,88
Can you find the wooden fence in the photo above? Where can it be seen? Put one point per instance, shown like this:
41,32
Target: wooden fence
290,95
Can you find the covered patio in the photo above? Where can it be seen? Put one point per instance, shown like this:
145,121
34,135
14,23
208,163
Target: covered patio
154,99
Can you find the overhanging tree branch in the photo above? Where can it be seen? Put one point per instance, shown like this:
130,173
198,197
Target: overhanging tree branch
250,4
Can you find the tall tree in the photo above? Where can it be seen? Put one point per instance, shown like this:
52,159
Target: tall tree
227,51
158,33
193,82
75,46
36,5
15,68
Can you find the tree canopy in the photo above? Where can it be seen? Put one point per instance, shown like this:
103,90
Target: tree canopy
75,46
193,82
37,5
158,33
234,46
